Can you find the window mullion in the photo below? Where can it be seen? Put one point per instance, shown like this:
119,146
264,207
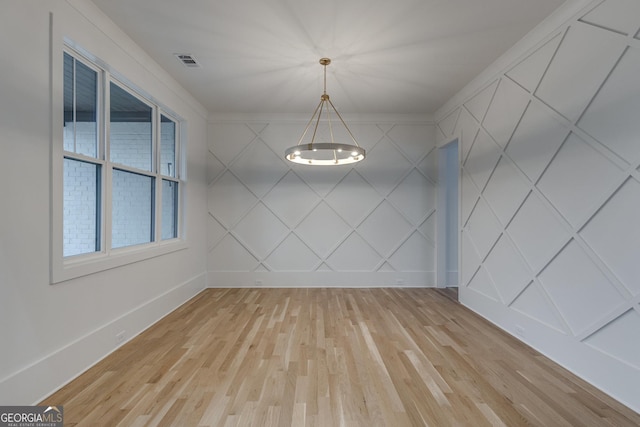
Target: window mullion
156,212
156,140
178,151
136,171
108,172
157,208
82,157
178,176
75,109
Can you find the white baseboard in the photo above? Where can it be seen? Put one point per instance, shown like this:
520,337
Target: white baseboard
320,279
40,379
614,377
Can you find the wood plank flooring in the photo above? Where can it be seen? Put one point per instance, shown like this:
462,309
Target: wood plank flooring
330,357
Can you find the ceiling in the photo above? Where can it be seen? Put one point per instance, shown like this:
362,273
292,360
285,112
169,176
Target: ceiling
389,57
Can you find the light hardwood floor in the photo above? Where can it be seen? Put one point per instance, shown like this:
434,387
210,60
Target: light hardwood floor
330,357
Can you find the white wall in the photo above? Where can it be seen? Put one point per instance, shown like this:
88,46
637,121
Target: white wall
551,194
273,223
51,333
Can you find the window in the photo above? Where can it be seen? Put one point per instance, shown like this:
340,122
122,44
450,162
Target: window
82,186
120,171
82,179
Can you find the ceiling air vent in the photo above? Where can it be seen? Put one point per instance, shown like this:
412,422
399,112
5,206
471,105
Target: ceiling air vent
187,60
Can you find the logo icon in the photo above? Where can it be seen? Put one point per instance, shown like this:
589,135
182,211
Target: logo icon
31,416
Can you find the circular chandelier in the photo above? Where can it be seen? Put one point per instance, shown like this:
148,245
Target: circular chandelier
325,153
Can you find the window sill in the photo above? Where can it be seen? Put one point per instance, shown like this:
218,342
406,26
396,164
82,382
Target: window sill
84,265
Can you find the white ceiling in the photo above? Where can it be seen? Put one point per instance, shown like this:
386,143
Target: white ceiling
261,56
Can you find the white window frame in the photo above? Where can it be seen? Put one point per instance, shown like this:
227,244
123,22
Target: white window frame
66,268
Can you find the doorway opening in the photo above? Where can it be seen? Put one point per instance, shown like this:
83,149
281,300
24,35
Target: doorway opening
447,217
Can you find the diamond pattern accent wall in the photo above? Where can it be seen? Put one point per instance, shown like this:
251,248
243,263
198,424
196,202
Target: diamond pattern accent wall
269,216
550,202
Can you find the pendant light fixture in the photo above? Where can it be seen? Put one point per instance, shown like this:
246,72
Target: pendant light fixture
324,153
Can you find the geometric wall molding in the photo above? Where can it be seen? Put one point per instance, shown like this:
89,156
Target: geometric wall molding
505,111
617,15
230,255
385,166
469,257
479,103
414,197
468,198
447,124
608,339
279,199
618,246
249,168
482,159
530,70
214,167
483,228
482,284
534,303
536,140
325,238
466,130
612,117
579,289
240,135
550,196
506,190
261,231
410,139
343,259
578,180
584,59
427,228
292,255
385,229
440,136
508,270
429,165
341,199
237,199
321,180
410,256
215,232
268,216
537,232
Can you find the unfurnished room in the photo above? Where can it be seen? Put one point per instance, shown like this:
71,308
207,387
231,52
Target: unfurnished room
339,213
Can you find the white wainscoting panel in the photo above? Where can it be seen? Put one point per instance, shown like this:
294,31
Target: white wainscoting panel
272,223
550,203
